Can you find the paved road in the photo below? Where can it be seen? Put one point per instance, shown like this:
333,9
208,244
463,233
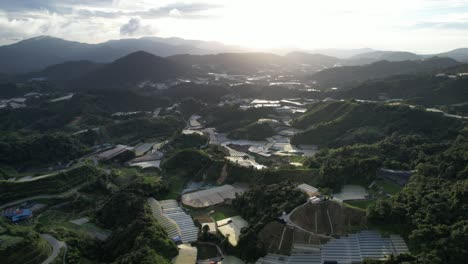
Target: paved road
56,246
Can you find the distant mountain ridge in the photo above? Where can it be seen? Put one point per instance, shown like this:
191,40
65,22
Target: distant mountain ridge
349,75
253,62
37,53
458,54
130,70
424,89
374,56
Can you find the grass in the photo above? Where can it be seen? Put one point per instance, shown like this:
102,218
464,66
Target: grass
54,217
59,258
223,212
360,204
32,251
176,185
389,187
7,241
300,159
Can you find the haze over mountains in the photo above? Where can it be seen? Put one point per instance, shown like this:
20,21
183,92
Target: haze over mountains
38,53
147,63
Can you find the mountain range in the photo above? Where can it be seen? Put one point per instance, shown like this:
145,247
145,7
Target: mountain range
130,70
349,75
38,53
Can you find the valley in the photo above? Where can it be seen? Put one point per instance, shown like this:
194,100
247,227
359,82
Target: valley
233,158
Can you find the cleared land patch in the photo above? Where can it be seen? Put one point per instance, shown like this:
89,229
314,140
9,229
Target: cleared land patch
276,237
328,218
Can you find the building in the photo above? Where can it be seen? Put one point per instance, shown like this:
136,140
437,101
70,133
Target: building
311,191
118,152
177,224
345,250
316,199
231,228
209,197
16,215
193,122
143,148
351,192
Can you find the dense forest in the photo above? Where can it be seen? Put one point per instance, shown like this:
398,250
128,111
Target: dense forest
426,90
254,131
259,206
432,209
336,124
22,150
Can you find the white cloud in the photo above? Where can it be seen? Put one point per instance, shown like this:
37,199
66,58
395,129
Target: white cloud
175,13
416,25
134,27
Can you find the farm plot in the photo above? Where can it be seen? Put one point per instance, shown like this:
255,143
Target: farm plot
328,218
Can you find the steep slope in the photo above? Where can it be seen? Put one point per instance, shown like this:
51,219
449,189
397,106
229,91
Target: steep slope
348,75
131,70
37,53
421,89
344,123
374,56
457,54
24,56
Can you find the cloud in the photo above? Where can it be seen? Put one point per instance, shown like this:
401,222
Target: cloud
107,8
55,6
175,13
180,10
134,27
458,25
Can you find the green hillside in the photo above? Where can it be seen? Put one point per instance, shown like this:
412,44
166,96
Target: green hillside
348,122
54,184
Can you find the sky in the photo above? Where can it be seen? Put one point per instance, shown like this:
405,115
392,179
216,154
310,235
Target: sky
422,26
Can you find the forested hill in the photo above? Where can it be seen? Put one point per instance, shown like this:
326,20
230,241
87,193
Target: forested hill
432,209
418,89
349,75
131,70
346,122
63,71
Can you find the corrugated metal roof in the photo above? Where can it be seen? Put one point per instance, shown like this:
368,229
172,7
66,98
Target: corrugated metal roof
350,249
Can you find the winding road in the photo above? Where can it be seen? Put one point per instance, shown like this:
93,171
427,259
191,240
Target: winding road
56,246
43,196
